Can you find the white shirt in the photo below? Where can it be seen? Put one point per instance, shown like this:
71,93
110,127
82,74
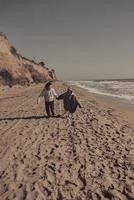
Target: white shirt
49,95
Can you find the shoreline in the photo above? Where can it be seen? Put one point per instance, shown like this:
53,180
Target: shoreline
125,110
119,106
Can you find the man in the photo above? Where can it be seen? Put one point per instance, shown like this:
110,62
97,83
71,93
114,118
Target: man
49,94
70,101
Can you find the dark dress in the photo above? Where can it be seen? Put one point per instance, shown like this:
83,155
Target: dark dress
70,102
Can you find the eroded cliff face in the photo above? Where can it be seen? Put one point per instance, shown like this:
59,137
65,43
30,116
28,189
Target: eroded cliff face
15,69
4,45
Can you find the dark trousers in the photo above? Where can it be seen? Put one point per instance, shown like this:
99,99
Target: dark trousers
49,107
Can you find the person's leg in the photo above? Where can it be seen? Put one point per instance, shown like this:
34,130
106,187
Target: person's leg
52,107
47,108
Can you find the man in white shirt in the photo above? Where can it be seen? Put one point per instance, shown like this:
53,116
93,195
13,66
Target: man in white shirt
49,95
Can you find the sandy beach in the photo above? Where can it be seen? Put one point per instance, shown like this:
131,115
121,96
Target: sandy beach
87,156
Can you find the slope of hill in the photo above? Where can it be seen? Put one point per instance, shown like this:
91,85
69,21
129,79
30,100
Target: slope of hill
15,69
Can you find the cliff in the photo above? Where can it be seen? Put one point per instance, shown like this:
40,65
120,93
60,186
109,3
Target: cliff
16,69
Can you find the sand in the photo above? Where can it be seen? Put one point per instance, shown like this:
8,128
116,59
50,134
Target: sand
89,155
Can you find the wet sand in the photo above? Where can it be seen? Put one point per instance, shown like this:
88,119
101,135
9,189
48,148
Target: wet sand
89,155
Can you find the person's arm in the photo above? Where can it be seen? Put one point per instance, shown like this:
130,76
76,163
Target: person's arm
78,103
41,95
54,93
62,96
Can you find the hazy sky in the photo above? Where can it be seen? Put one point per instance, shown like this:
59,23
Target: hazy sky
80,39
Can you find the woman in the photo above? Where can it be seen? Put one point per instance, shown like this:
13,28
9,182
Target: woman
49,94
70,101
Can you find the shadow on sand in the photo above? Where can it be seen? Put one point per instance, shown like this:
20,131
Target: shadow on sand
28,118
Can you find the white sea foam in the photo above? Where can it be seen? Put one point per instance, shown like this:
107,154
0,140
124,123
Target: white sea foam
119,89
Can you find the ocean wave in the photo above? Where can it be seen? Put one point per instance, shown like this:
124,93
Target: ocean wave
121,90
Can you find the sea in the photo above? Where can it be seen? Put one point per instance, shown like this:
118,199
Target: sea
120,89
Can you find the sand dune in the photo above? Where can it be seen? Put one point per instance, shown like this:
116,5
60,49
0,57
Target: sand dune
89,155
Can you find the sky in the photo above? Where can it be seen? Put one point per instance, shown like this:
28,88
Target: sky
80,39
